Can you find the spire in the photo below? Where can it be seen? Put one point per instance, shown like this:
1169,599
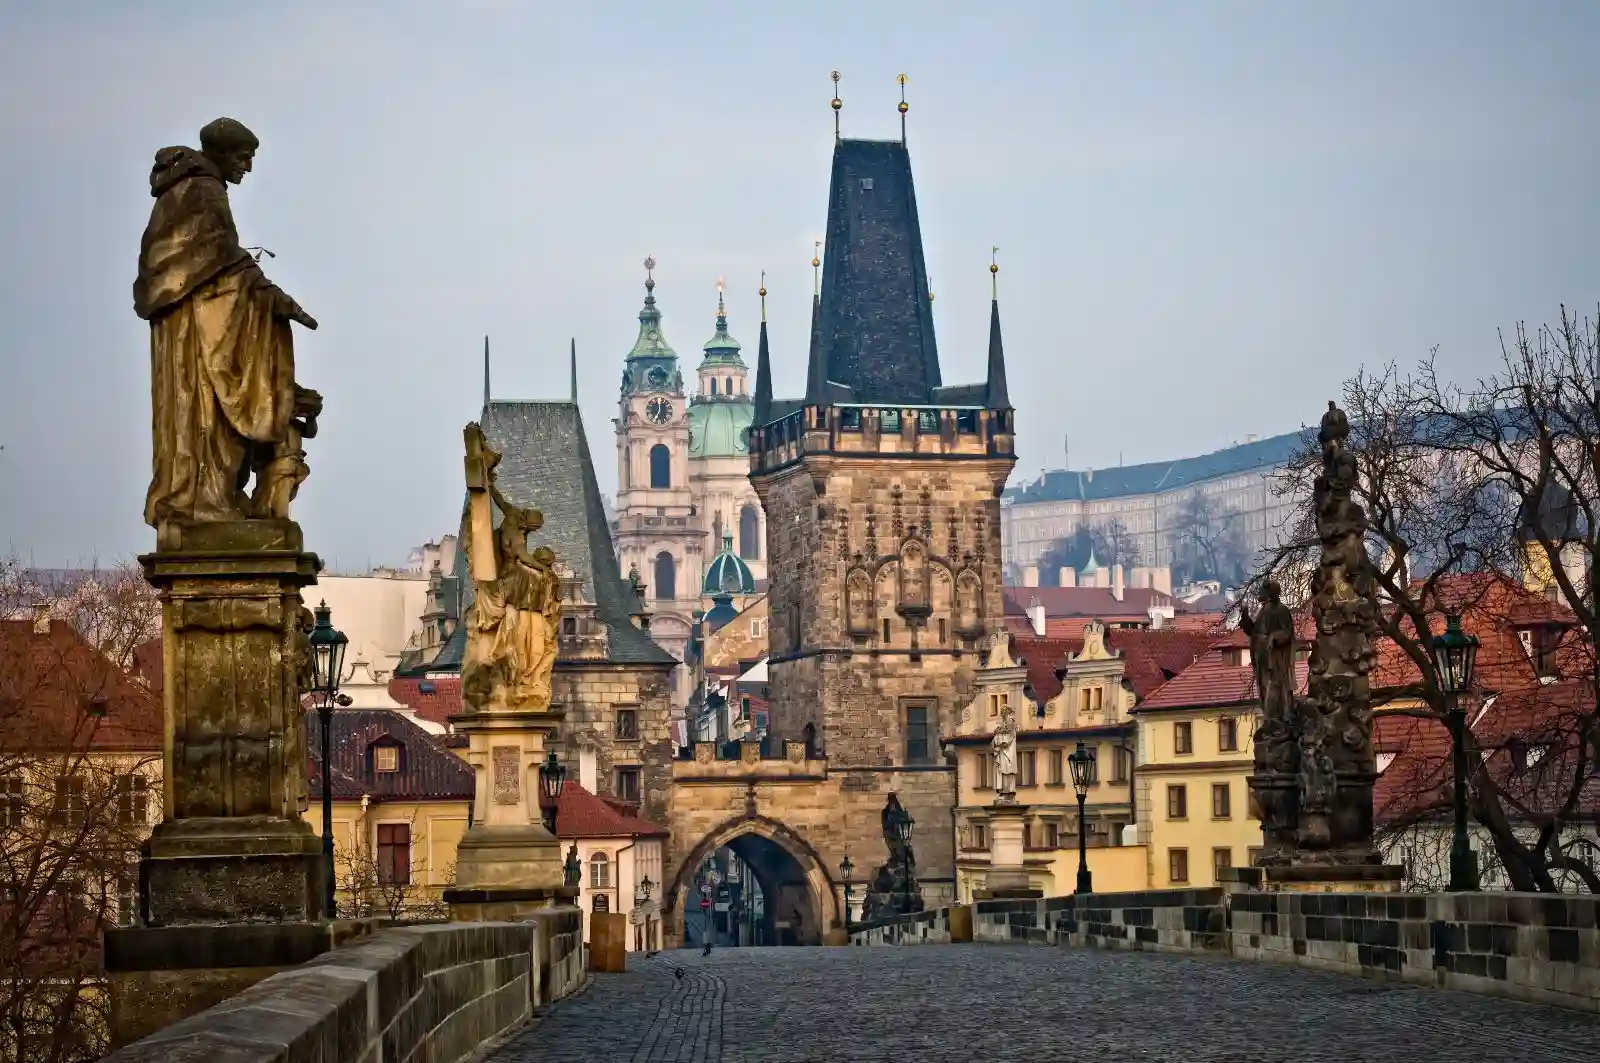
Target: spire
574,370
817,369
763,411
836,103
999,398
485,372
651,343
904,106
721,347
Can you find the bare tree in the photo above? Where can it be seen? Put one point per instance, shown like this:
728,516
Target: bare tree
374,883
1207,542
1109,543
80,760
1473,494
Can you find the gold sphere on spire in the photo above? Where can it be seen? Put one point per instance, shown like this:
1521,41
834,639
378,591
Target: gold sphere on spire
903,107
762,291
836,103
994,267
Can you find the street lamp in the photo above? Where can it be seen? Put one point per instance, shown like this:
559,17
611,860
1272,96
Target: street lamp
1082,762
900,822
641,897
1454,655
847,870
552,780
327,666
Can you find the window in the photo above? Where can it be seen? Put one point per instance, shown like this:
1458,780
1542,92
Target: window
628,721
626,785
978,836
1121,763
133,800
1252,854
749,534
666,577
394,854
1052,835
386,759
927,420
886,629
1091,699
12,801
917,750
1183,738
713,385
70,808
757,627
1228,734
1094,764
984,765
944,634
1221,801
1027,834
599,871
1177,801
1177,865
1056,760
849,420
1221,860
889,420
1025,768
660,466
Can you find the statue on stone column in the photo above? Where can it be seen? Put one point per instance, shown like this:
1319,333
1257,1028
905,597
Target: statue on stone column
227,408
1271,633
516,612
1004,745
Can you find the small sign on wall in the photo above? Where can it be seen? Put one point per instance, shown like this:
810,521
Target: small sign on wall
602,902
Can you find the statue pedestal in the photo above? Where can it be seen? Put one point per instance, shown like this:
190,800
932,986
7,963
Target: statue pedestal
1314,878
231,880
508,864
1007,877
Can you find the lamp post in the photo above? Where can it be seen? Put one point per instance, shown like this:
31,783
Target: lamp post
552,780
847,871
1082,761
1454,655
327,665
641,897
900,822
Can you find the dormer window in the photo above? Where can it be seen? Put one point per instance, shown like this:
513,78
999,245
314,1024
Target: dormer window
385,759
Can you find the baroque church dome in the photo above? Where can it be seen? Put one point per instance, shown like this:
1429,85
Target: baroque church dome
720,415
727,573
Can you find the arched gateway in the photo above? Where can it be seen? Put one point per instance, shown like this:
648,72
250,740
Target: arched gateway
799,898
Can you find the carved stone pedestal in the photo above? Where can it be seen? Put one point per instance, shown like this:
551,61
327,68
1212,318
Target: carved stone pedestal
230,882
509,863
1007,877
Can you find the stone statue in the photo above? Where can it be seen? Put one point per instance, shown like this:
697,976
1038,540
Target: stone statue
1004,744
1271,633
227,408
516,613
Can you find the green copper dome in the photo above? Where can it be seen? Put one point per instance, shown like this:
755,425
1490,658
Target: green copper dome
727,573
721,348
720,429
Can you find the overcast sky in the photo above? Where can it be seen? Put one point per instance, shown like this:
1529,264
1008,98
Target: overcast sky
1209,214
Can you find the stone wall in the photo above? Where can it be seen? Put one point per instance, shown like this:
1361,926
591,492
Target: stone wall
434,993
591,694
1533,947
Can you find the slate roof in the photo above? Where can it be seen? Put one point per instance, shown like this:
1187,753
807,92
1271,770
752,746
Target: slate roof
427,770
1061,485
545,462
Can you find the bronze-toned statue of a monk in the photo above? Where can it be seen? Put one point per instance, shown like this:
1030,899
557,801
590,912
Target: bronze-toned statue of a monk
226,406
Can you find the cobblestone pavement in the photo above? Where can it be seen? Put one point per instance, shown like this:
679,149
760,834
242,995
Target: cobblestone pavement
1027,1004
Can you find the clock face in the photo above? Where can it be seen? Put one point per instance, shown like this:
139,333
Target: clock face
657,377
658,410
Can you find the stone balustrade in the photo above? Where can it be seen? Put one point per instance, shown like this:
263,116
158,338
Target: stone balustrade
438,993
1539,948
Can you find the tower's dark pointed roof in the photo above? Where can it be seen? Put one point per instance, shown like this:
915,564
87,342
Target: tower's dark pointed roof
763,376
877,321
998,398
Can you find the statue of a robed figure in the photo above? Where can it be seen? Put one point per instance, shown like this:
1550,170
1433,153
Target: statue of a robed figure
516,612
229,416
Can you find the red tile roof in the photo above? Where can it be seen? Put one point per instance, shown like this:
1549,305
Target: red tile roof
1212,681
58,692
1151,657
434,700
580,814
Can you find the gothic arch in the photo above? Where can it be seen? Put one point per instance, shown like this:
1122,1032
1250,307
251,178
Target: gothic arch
823,894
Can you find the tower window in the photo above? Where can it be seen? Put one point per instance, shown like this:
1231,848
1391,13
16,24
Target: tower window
713,385
727,386
749,534
666,576
660,466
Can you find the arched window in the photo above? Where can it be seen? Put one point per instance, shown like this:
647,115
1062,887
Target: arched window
599,871
666,576
713,385
749,534
660,466
727,386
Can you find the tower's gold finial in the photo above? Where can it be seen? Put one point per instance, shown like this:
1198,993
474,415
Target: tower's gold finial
762,291
816,267
721,313
836,103
994,273
904,106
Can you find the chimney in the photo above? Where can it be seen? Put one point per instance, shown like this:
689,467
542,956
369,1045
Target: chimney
1036,617
1158,619
1030,576
1161,579
588,773
41,617
1116,582
1067,577
1139,576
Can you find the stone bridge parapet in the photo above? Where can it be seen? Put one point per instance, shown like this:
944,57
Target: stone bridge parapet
437,993
1539,948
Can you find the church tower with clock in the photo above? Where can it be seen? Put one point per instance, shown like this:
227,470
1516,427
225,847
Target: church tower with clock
657,532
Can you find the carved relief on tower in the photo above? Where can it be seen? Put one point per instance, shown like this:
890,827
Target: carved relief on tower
914,599
969,603
860,603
